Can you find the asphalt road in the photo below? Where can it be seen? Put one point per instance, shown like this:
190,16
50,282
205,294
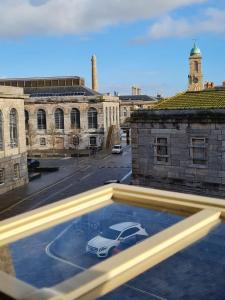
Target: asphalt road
87,174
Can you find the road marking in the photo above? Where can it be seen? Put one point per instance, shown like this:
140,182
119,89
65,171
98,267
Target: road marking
42,190
85,169
144,292
125,177
86,176
48,251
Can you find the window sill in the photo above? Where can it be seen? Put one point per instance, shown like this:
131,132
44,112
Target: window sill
198,166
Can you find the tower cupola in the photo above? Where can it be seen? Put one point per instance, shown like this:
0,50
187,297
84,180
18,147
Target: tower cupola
195,50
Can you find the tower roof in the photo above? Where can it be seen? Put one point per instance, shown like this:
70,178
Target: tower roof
195,50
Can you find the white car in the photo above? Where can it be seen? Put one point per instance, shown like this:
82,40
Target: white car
117,149
103,244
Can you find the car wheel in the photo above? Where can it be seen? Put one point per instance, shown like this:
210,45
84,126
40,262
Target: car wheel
110,252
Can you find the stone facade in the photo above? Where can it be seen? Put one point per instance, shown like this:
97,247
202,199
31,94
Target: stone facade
128,104
13,158
43,140
180,150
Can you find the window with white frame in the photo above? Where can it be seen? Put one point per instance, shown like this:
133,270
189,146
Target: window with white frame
161,149
92,118
93,141
59,119
41,119
13,128
2,176
198,150
75,118
42,141
16,171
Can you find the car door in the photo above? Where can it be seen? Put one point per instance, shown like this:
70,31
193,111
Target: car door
128,233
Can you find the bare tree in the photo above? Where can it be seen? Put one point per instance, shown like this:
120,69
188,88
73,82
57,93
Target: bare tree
31,135
52,132
75,139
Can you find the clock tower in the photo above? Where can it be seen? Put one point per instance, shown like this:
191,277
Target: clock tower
195,74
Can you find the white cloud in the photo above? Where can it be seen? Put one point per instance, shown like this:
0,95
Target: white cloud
212,21
27,17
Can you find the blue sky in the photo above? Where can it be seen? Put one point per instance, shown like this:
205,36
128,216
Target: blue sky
144,42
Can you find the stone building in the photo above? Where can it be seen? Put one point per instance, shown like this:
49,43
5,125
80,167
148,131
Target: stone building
180,144
130,103
63,123
13,157
62,115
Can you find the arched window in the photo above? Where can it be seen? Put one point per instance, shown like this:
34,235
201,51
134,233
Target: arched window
125,112
41,119
92,118
59,119
113,114
1,131
75,118
26,115
13,128
196,66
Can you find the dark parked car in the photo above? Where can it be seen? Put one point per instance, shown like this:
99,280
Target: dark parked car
32,163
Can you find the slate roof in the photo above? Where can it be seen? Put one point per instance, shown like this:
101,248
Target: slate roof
60,91
137,98
206,99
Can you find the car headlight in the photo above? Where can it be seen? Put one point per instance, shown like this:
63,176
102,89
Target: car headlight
102,249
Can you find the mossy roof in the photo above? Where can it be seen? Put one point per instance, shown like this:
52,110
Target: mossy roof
206,99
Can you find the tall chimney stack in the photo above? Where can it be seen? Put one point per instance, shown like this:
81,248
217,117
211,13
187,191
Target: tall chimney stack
136,91
94,74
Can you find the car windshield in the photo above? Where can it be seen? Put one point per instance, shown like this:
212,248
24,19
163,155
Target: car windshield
117,147
110,234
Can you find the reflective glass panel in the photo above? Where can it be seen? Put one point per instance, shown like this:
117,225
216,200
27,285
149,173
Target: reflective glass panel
197,272
49,257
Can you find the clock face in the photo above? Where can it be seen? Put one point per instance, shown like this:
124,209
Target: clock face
195,80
